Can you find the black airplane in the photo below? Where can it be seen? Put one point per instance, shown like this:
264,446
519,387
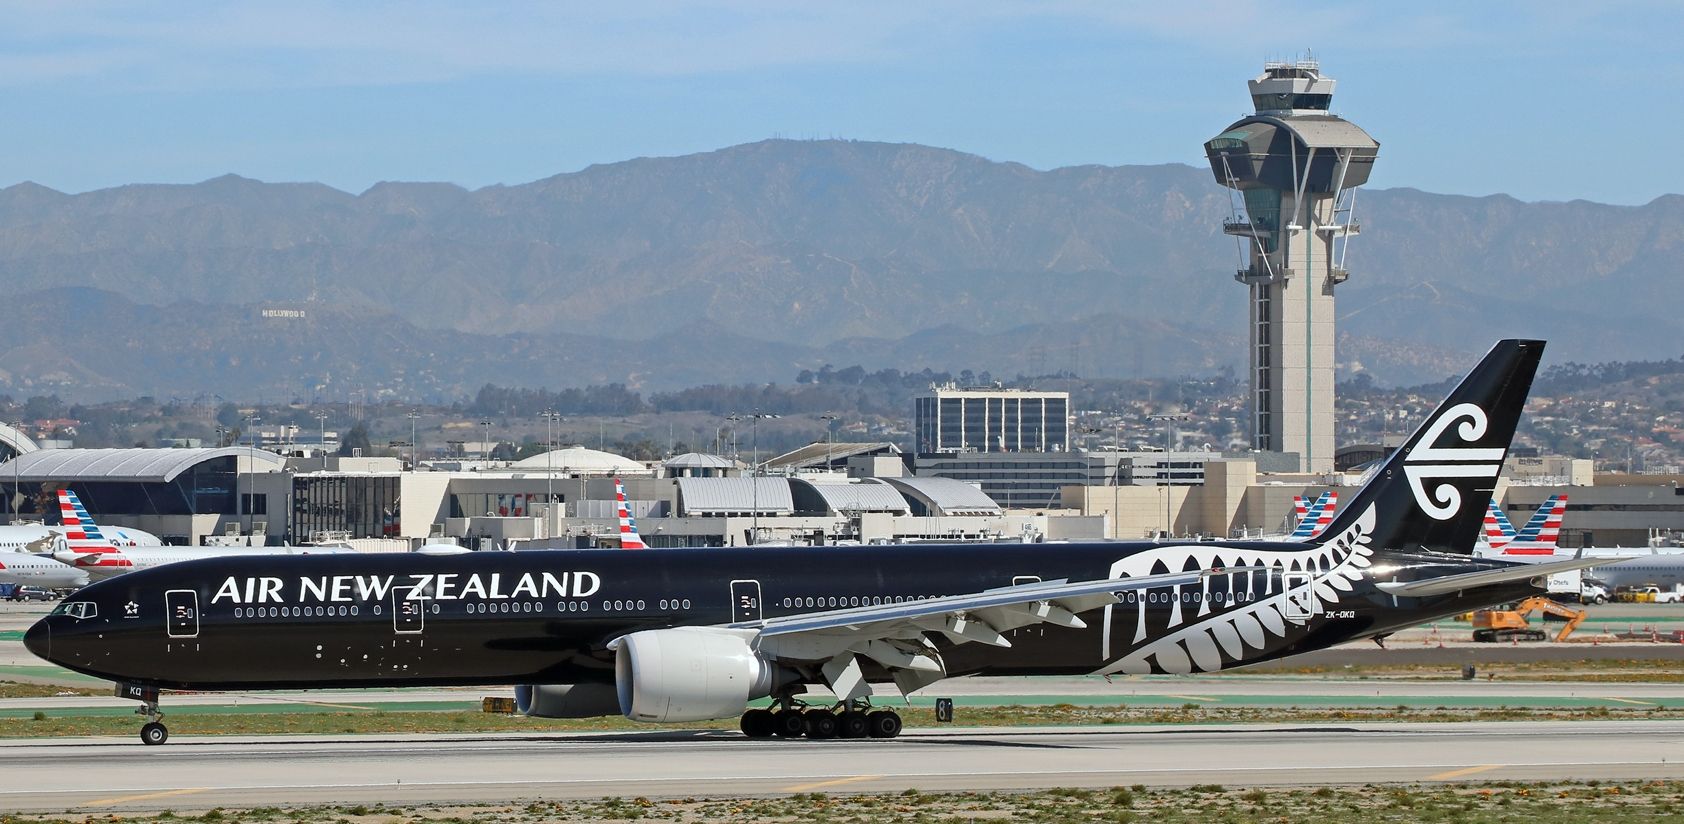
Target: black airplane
692,634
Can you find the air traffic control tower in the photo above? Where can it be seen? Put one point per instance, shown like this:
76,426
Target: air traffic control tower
1295,169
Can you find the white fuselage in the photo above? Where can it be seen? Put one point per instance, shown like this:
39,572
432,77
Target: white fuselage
35,570
1626,567
104,565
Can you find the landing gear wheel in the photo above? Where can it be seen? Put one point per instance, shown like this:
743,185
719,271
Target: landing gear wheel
853,724
821,724
788,724
758,724
883,724
154,733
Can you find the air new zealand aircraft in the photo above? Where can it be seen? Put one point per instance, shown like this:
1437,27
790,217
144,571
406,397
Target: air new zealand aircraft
691,634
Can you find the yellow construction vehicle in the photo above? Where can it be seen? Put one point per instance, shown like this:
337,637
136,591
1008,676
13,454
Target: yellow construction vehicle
1510,624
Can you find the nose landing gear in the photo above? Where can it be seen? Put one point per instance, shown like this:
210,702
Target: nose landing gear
153,732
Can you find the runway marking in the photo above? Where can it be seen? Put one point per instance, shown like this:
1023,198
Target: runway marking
1189,697
801,788
1446,776
123,799
1628,701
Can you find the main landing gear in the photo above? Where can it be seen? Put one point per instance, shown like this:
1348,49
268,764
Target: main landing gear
792,719
153,732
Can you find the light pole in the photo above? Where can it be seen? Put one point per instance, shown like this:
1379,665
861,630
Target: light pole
17,481
551,417
251,475
1169,427
829,437
321,420
485,445
412,416
733,418
754,434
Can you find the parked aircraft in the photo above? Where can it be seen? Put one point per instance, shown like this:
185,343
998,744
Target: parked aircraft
1313,519
629,539
40,571
87,548
690,634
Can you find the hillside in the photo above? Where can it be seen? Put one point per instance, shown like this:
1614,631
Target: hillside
753,262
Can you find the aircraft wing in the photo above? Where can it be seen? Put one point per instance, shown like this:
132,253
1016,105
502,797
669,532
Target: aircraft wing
899,636
1446,584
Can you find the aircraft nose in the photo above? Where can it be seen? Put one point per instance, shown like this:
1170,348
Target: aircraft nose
39,640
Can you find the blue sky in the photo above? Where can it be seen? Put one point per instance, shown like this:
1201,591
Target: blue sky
1544,100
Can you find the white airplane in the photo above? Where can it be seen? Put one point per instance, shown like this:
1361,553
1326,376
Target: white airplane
1626,567
87,548
39,571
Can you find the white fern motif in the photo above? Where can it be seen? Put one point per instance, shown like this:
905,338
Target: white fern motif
1222,633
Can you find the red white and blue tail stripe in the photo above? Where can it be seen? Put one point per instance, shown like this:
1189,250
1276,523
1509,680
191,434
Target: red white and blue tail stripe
1542,533
629,539
1312,520
84,542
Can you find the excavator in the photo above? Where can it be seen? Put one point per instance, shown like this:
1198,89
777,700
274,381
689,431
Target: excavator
1511,624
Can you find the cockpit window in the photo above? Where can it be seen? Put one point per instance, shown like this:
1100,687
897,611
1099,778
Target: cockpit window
76,609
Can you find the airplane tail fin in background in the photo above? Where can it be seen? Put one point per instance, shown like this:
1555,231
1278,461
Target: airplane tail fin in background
629,539
81,534
1542,532
1498,530
1431,493
1312,520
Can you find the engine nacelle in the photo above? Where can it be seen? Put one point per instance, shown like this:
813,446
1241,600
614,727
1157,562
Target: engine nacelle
689,674
566,700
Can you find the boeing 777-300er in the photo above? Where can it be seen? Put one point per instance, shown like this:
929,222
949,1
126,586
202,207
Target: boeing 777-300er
87,548
667,635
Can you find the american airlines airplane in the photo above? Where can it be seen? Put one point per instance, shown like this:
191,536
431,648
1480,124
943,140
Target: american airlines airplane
39,571
87,548
1619,567
664,635
1313,519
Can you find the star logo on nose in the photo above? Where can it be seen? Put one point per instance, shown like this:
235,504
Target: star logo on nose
131,609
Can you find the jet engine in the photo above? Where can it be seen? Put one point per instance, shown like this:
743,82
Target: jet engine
566,700
691,674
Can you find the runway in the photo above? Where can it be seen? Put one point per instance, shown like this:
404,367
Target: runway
111,775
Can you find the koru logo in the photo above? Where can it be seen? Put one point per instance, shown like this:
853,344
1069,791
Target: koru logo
1433,461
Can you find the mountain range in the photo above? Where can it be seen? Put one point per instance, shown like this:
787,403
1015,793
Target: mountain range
753,262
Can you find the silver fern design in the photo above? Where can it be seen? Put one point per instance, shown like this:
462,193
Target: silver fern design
1245,614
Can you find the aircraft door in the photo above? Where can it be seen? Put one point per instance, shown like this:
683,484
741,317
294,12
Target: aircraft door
745,601
181,608
408,614
1300,596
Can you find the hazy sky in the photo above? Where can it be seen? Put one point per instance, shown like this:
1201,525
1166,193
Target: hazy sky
1544,100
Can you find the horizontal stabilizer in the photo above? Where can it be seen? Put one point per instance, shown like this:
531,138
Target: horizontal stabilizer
1473,580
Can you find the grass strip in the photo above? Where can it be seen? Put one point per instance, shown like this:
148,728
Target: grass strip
1495,802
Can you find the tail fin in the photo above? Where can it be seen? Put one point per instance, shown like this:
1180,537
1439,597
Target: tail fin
1498,531
1305,525
1325,508
1543,530
629,539
81,534
1545,525
1430,493
1312,520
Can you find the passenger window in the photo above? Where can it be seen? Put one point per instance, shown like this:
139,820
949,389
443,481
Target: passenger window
686,603
640,606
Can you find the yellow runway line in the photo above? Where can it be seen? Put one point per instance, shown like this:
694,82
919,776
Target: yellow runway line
834,782
1446,776
124,799
1629,701
1191,697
